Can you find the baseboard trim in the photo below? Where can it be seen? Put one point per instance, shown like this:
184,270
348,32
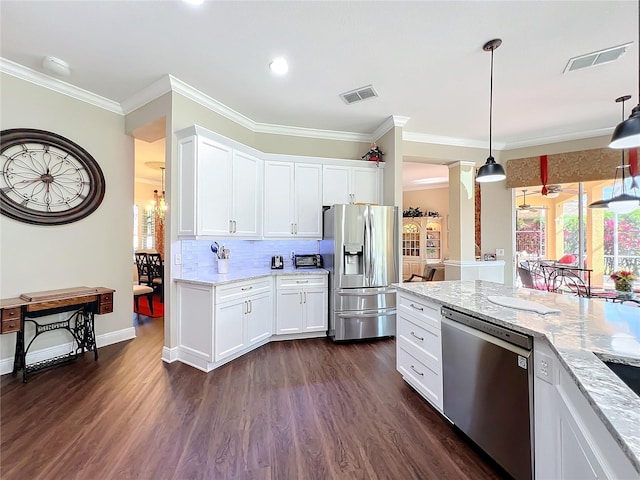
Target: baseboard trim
6,364
169,355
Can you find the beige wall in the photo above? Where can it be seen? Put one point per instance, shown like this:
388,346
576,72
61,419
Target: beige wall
95,251
435,200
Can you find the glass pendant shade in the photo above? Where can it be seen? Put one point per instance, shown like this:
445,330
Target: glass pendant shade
624,203
490,172
627,133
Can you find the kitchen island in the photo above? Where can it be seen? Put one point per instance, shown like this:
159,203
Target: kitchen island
580,336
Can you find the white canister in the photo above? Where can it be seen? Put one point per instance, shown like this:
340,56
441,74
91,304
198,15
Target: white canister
223,265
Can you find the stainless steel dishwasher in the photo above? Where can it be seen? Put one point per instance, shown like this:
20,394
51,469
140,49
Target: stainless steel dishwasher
488,388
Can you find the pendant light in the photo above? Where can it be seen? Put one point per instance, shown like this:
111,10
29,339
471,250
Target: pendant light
627,133
624,202
491,171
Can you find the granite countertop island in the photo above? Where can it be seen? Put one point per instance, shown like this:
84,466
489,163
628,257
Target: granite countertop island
212,277
584,332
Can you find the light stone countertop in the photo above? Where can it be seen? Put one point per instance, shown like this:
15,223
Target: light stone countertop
237,275
583,328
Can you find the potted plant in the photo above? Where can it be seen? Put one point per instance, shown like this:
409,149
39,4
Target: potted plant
623,280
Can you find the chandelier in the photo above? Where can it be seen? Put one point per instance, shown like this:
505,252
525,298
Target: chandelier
159,203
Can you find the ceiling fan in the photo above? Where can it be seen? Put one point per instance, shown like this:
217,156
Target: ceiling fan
555,190
524,206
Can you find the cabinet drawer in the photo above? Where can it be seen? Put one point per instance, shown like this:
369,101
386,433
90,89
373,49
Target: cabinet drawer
106,298
426,339
232,291
425,380
301,281
105,308
10,325
11,313
422,310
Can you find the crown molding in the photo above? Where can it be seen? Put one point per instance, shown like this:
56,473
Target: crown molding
503,146
388,124
186,90
568,137
147,94
46,81
169,83
450,141
311,132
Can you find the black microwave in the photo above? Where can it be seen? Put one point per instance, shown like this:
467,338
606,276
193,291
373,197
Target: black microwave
311,260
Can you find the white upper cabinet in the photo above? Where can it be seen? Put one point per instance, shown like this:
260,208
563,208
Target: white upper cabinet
219,189
345,184
292,200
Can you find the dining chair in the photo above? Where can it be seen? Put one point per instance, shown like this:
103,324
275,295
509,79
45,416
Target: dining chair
156,273
141,290
142,265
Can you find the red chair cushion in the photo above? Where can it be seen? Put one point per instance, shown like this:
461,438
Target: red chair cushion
567,259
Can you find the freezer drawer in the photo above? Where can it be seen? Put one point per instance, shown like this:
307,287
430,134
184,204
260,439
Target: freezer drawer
363,324
355,299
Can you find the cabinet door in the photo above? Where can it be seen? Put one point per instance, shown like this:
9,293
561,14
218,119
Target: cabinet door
289,311
246,186
213,197
315,309
259,318
336,185
365,185
229,335
278,199
308,201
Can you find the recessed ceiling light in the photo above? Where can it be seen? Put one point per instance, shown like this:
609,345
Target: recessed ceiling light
279,66
56,66
194,2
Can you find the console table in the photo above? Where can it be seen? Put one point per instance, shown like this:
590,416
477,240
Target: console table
83,302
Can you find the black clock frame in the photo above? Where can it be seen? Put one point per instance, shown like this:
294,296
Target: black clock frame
10,208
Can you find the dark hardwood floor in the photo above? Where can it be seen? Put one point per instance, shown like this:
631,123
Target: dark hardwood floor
294,410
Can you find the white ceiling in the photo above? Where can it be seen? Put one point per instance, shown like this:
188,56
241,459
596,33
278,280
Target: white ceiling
424,58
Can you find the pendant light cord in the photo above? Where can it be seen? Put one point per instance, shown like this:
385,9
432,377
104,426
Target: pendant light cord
491,105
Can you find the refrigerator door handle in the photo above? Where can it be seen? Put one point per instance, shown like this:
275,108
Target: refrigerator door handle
366,313
368,251
363,294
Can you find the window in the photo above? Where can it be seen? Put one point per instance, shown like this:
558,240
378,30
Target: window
531,236
143,229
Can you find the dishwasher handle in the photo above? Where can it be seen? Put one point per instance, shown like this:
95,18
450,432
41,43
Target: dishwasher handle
464,329
509,336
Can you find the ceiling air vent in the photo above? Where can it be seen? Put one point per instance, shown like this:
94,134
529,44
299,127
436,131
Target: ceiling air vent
596,58
359,94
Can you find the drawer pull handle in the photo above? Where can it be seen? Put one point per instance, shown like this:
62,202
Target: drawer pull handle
419,338
419,373
244,289
417,308
12,313
302,281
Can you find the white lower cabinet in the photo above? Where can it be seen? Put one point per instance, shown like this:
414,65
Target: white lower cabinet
243,316
217,324
419,346
301,304
571,441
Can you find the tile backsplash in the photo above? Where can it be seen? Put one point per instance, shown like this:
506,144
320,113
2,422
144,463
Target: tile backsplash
197,254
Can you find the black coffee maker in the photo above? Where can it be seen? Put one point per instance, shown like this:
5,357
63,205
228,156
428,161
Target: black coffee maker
277,262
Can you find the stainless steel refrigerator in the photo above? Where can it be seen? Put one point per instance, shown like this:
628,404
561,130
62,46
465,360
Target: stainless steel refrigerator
359,248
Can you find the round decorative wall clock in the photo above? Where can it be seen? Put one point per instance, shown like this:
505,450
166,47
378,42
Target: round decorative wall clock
46,179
